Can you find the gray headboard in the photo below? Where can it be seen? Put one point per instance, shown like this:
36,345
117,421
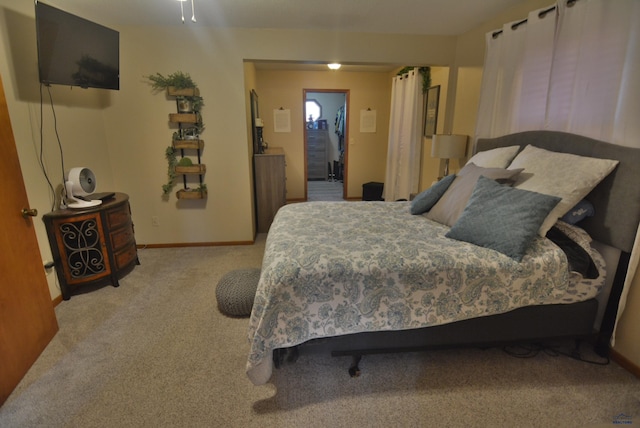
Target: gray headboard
616,199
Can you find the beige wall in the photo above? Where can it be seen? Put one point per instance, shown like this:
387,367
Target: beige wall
628,330
80,120
121,135
366,152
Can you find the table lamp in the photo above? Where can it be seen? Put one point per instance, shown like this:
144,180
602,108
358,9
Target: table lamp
447,147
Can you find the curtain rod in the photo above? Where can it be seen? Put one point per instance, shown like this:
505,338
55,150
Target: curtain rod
541,15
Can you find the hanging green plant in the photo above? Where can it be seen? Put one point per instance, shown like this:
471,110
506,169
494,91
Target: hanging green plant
426,76
172,161
178,80
181,86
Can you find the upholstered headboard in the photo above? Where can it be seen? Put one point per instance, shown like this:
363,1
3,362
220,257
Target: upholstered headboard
616,199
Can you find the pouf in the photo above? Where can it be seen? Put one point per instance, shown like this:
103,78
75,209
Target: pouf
236,290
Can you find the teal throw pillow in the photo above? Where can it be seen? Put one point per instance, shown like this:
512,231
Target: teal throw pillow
425,200
502,218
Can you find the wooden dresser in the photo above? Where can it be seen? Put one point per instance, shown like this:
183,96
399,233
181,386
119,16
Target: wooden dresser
270,186
95,245
317,154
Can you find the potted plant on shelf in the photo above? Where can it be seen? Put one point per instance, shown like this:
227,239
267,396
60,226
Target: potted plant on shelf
177,80
181,86
199,192
187,137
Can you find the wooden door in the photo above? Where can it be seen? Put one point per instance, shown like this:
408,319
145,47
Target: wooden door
27,319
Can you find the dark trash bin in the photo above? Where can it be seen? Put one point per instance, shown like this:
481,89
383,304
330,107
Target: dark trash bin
372,191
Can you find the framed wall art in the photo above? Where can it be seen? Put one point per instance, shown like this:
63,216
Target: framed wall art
432,99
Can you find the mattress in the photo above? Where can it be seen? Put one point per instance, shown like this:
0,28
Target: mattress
336,268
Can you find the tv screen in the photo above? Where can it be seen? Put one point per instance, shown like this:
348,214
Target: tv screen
76,52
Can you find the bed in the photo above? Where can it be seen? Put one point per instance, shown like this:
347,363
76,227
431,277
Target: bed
364,277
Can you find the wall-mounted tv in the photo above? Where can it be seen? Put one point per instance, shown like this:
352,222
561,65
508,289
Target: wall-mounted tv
76,52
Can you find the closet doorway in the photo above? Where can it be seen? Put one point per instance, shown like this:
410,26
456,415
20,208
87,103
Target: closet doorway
325,148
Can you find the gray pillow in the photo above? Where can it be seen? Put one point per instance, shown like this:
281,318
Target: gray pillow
502,218
425,200
449,207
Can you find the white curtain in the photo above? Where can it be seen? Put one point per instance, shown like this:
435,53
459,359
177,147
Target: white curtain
574,70
405,137
594,87
515,79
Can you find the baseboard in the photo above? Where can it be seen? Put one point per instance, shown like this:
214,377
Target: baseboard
57,301
195,244
625,363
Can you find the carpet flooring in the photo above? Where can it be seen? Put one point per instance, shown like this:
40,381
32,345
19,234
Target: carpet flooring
320,190
156,352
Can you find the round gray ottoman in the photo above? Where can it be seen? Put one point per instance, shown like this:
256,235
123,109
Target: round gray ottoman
236,290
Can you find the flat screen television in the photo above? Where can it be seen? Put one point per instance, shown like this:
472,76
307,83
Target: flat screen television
76,52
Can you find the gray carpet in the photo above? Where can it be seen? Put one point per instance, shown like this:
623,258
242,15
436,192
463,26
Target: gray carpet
320,190
156,352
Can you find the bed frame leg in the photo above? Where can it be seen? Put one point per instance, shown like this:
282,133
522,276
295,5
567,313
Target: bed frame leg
354,370
285,355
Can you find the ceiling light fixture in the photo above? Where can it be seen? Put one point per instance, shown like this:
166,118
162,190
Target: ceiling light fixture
334,66
193,11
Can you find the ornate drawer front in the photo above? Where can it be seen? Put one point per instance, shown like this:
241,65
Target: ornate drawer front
126,257
81,246
122,238
118,216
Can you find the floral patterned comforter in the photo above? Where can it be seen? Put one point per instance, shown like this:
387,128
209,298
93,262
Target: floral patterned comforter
334,268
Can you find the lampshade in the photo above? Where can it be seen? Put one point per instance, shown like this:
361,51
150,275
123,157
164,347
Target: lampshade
448,146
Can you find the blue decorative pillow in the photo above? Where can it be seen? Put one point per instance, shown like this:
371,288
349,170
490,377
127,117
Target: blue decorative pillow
502,218
579,212
425,200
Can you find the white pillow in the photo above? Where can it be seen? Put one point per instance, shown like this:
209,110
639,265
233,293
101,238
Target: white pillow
571,177
495,158
451,204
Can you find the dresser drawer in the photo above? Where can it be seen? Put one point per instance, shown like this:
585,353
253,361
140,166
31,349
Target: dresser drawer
126,256
118,216
122,237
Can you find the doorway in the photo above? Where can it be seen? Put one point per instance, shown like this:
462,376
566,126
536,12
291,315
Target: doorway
325,148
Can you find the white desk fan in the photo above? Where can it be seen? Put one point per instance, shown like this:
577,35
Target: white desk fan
80,183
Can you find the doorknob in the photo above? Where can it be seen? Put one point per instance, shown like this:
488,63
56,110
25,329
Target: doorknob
26,212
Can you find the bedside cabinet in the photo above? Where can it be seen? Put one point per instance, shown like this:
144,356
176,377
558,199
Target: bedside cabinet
92,246
270,186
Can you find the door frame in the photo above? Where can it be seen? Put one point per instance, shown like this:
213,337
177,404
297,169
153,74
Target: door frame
347,103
